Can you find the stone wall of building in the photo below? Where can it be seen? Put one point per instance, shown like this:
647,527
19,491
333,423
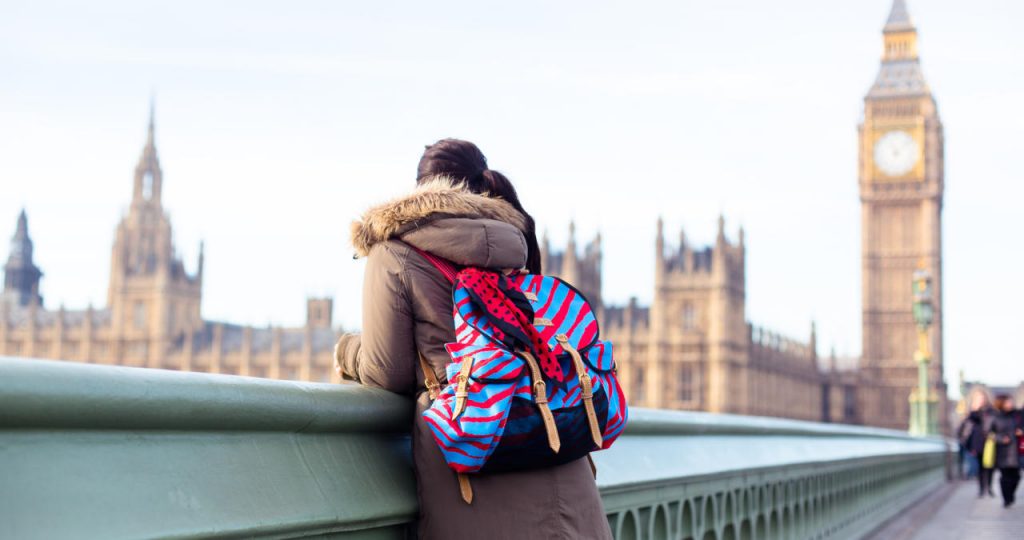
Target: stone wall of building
692,348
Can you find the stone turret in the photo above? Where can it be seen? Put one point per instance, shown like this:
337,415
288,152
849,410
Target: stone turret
152,297
700,295
21,275
319,312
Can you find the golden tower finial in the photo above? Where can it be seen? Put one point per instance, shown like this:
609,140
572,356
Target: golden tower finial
900,34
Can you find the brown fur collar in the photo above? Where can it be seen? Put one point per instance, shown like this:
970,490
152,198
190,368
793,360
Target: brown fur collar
433,199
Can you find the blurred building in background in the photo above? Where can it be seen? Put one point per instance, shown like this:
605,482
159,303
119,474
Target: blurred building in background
693,347
152,317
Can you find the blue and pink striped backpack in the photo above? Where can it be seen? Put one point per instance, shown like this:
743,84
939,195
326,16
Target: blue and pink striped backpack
530,384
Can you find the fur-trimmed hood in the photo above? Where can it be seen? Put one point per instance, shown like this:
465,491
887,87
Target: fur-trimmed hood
432,200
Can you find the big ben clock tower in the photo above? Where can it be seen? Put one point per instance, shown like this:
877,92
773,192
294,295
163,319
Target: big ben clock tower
901,185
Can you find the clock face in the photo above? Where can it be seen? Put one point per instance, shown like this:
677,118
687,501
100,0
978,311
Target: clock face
896,153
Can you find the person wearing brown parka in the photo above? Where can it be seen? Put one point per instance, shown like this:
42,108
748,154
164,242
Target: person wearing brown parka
468,214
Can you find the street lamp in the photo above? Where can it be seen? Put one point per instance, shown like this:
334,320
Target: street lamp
923,402
924,311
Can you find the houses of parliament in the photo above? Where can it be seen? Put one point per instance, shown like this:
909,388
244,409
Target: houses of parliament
152,317
692,348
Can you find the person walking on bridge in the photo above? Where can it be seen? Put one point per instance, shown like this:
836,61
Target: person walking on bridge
1018,416
965,435
980,420
1006,431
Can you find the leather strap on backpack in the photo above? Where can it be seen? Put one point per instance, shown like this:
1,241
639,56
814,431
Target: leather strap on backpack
434,390
540,397
465,489
448,270
429,378
586,385
462,382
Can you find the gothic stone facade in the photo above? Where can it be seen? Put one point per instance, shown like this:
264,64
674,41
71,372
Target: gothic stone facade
152,317
693,349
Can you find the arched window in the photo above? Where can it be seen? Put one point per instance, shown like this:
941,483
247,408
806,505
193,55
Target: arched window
689,316
639,384
686,382
139,314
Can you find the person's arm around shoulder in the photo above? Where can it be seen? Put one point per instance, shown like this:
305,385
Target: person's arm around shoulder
384,354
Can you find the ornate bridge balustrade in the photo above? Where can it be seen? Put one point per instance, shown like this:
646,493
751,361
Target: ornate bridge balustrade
91,451
704,476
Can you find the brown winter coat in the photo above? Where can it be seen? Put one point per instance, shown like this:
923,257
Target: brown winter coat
407,307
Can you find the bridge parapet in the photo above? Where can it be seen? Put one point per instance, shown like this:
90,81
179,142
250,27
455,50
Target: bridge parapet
115,452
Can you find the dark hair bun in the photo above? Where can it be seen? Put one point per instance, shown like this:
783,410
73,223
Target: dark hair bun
464,162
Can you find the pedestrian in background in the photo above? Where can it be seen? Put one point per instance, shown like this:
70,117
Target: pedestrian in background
1006,431
980,420
968,460
1019,415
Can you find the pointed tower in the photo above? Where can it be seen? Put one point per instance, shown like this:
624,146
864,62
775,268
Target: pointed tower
21,275
581,270
901,190
570,265
699,307
148,176
151,297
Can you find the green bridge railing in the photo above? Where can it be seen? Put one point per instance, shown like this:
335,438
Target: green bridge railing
91,451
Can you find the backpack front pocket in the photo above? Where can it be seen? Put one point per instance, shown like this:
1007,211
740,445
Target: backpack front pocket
468,418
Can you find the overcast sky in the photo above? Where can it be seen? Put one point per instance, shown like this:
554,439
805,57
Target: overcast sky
277,123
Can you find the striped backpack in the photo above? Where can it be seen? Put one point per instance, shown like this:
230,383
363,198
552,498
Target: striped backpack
530,384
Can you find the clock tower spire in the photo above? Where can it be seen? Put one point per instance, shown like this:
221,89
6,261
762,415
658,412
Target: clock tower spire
901,189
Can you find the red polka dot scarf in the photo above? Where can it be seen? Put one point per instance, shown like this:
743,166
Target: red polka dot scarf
510,313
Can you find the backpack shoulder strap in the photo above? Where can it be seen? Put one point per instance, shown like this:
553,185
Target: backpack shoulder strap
446,267
449,270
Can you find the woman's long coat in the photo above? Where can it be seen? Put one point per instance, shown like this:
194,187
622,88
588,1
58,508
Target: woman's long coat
1005,429
407,308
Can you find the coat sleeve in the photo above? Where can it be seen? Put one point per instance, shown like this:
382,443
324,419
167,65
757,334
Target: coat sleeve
963,432
384,355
